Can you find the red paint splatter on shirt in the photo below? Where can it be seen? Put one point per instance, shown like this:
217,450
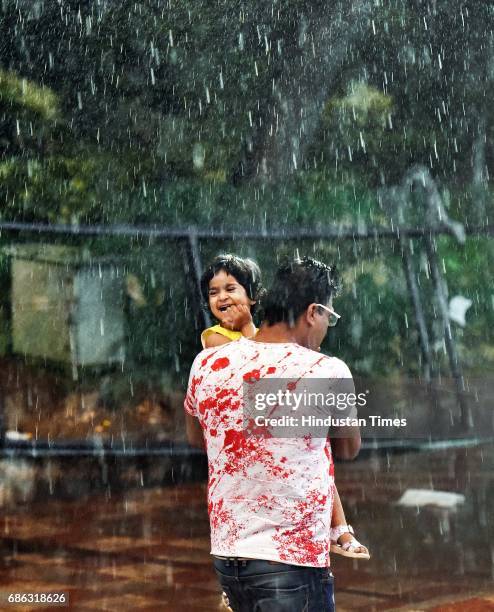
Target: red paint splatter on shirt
220,364
262,490
245,452
327,452
217,405
252,376
297,543
206,359
251,428
196,380
222,517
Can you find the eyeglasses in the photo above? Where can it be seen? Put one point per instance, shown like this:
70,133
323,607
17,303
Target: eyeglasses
333,316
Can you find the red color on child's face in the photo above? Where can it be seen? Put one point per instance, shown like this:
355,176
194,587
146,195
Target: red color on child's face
224,291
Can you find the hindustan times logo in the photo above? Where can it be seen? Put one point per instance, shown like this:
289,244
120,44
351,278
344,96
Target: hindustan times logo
311,421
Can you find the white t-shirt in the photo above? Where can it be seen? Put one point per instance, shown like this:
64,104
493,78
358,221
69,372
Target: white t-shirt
268,498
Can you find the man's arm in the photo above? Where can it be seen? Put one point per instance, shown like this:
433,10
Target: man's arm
347,447
193,429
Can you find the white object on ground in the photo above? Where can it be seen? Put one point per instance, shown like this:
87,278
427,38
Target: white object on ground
427,497
16,436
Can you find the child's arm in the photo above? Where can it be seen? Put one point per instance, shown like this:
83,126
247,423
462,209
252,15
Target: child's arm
337,519
338,516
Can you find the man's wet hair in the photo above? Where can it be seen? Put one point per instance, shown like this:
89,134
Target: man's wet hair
245,271
297,284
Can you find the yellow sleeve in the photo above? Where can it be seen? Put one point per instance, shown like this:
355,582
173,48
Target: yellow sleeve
217,329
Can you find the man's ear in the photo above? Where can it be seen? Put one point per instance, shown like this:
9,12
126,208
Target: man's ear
310,314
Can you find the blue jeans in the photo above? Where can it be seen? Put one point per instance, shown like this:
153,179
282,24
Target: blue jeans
263,586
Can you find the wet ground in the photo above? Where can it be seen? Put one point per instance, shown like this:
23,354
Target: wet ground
147,548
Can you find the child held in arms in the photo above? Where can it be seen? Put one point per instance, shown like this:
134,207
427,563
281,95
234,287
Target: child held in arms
231,286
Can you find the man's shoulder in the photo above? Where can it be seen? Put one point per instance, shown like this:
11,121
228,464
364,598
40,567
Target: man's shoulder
337,367
208,356
328,365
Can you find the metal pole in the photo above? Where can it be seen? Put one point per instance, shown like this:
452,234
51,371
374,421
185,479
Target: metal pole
417,306
441,291
193,273
332,233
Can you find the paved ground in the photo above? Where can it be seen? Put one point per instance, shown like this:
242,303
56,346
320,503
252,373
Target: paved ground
148,549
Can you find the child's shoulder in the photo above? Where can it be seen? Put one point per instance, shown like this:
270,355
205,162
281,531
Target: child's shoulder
228,334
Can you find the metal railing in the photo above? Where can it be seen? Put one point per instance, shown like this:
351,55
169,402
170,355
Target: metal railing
191,236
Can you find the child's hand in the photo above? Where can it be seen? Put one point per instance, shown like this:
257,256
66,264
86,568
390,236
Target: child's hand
237,317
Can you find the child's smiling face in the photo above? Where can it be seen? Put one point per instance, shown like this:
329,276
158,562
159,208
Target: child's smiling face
224,291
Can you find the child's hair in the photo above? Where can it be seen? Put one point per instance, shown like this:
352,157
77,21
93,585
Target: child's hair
297,284
245,271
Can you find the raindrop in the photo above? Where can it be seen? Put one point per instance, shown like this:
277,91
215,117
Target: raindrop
362,141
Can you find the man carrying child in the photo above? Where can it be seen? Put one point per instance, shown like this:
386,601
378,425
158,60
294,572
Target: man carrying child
270,499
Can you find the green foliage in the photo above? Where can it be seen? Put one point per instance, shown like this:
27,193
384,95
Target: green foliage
469,273
39,185
357,130
362,108
22,96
